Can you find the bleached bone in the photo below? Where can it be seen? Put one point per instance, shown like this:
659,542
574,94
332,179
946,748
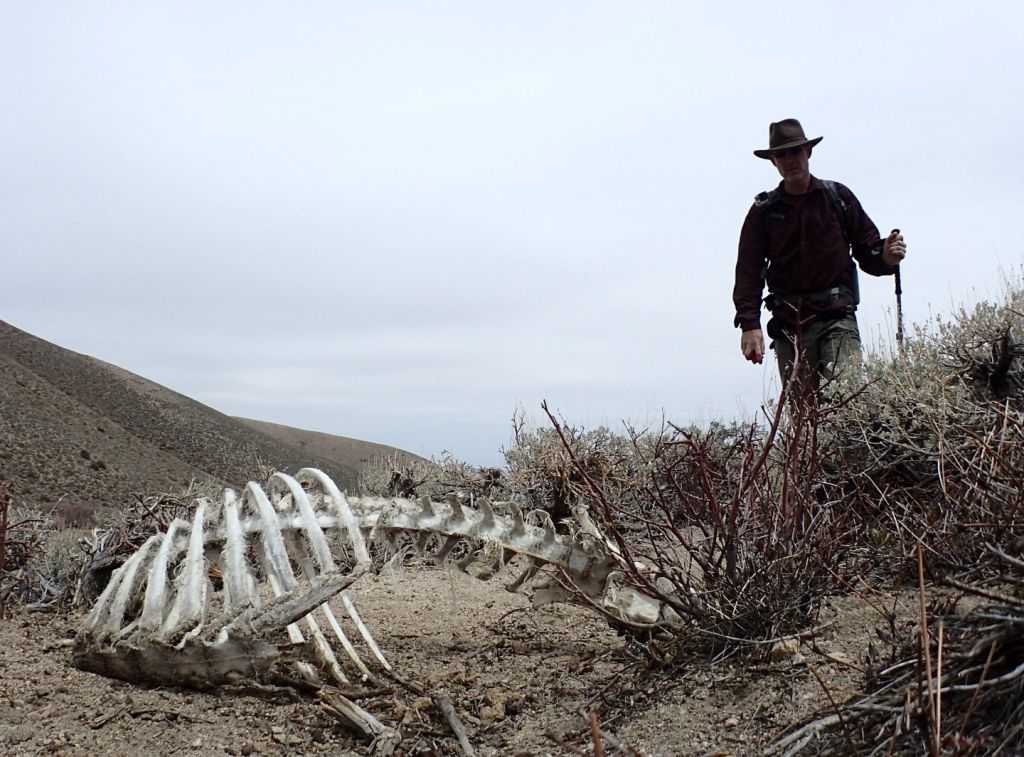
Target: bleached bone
283,553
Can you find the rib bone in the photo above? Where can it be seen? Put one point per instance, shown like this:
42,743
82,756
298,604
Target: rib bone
284,553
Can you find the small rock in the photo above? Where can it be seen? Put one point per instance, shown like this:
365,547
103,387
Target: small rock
786,649
731,722
495,697
276,729
197,744
489,714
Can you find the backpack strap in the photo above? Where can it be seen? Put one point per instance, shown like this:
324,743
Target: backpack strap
839,206
761,201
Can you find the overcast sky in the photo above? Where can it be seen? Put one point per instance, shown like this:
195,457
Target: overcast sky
402,222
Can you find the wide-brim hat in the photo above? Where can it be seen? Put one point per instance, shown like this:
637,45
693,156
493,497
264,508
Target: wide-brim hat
783,135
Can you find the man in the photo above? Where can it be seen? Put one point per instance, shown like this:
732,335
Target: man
797,239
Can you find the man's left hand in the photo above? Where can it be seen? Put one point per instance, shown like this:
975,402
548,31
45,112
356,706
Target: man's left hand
895,249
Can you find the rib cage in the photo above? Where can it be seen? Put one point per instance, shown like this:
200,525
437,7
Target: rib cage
205,603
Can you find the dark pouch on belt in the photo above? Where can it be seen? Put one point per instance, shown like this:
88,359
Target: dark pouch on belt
777,329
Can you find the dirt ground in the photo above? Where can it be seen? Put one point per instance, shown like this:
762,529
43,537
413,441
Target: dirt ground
518,679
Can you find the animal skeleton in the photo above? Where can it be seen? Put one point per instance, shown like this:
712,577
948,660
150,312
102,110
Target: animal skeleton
206,603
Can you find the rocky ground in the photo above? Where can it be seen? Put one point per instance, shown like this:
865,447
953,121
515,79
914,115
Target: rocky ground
518,678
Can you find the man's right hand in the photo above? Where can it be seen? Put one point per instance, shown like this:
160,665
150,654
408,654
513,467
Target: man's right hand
752,345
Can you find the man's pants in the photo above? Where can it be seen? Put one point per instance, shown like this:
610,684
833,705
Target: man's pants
829,346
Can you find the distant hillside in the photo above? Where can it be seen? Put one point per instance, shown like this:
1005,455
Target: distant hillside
350,452
82,431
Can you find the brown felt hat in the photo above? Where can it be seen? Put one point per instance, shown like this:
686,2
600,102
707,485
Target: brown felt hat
783,135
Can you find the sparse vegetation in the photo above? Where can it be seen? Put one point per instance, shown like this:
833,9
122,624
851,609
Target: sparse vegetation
23,540
910,477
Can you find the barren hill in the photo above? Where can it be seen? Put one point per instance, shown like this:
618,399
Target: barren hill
78,430
353,453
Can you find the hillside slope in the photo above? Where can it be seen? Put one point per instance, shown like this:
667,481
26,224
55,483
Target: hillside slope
78,430
353,453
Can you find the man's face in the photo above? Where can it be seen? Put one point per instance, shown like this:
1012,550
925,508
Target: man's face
793,164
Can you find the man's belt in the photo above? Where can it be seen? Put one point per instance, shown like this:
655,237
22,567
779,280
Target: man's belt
795,300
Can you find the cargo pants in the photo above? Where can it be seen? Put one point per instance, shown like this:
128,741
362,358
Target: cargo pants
831,347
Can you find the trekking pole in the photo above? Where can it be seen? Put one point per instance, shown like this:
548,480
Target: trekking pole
899,303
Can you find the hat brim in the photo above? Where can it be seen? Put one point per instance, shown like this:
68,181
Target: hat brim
767,154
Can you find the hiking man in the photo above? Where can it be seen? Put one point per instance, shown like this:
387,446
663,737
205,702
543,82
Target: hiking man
797,239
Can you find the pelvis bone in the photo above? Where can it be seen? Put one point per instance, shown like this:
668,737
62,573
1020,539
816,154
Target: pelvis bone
244,587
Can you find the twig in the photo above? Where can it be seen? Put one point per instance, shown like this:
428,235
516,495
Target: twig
595,734
171,714
976,694
926,653
607,685
102,721
356,719
604,736
836,709
563,743
444,704
938,689
792,743
154,515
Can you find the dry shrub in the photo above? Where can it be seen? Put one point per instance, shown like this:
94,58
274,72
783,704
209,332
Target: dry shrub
738,528
23,539
936,442
730,527
106,548
48,562
401,477
553,469
936,445
69,514
541,471
955,687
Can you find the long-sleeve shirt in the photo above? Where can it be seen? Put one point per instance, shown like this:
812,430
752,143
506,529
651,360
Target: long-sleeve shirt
800,237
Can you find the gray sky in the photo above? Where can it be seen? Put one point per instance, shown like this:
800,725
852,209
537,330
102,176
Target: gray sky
403,221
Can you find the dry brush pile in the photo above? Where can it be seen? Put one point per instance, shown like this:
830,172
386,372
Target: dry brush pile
46,566
953,686
27,542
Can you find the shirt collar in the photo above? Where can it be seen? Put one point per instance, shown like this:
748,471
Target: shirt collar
816,184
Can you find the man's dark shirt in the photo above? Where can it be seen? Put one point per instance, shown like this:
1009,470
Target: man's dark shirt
801,238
